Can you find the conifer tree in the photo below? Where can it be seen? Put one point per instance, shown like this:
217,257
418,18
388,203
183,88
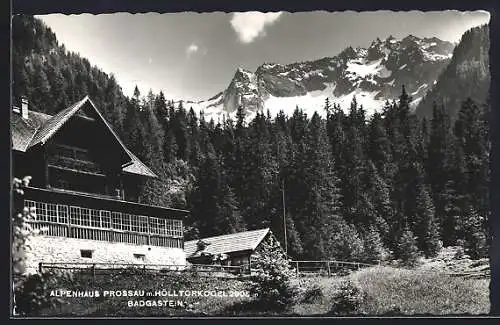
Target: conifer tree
374,249
320,188
471,132
475,235
424,223
179,125
407,249
439,152
214,206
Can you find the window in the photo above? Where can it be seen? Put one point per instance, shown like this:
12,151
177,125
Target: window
143,223
140,257
138,223
41,211
106,219
177,231
95,218
51,212
75,216
62,211
85,212
117,220
86,253
87,223
72,152
126,221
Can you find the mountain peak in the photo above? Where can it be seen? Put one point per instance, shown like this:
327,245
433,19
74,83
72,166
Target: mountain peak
376,42
242,73
241,70
269,65
373,74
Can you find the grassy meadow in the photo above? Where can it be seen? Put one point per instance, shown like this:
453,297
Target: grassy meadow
443,285
393,291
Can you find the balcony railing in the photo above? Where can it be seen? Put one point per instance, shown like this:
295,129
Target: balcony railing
75,164
83,217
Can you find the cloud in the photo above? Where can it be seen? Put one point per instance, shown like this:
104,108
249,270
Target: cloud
249,25
193,48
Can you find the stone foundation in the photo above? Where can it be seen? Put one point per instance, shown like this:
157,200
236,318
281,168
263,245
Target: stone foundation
49,249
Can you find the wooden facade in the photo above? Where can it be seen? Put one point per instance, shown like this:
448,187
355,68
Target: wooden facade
85,182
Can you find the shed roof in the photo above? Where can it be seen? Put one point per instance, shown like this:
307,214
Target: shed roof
40,127
224,244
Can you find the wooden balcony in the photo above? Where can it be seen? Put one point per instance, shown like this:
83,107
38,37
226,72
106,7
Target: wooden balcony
75,165
73,158
74,215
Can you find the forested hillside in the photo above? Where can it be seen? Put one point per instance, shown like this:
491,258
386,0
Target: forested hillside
53,78
354,188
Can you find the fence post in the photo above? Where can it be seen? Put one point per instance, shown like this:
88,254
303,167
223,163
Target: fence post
328,268
40,267
297,264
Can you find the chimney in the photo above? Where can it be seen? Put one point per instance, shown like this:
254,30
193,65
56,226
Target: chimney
24,107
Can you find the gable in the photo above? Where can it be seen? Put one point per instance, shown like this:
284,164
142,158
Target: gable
84,107
40,128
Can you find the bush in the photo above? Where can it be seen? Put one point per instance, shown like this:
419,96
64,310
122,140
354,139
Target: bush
312,294
271,285
460,253
32,295
348,298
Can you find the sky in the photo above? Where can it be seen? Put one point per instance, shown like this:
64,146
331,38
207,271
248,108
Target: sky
193,56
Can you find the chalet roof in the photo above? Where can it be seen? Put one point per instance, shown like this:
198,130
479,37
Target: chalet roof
54,123
138,167
40,127
224,244
23,130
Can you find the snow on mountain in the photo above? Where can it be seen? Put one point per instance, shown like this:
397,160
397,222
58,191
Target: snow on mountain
374,75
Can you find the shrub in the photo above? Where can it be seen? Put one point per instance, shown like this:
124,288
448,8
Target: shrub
21,229
271,284
348,298
460,253
30,291
312,294
33,292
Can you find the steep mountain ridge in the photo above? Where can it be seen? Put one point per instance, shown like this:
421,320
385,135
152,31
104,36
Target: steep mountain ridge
374,75
467,75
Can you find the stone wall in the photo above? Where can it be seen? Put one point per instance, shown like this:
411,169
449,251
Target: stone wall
68,250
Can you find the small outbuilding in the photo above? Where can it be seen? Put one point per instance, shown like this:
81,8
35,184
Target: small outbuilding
238,249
